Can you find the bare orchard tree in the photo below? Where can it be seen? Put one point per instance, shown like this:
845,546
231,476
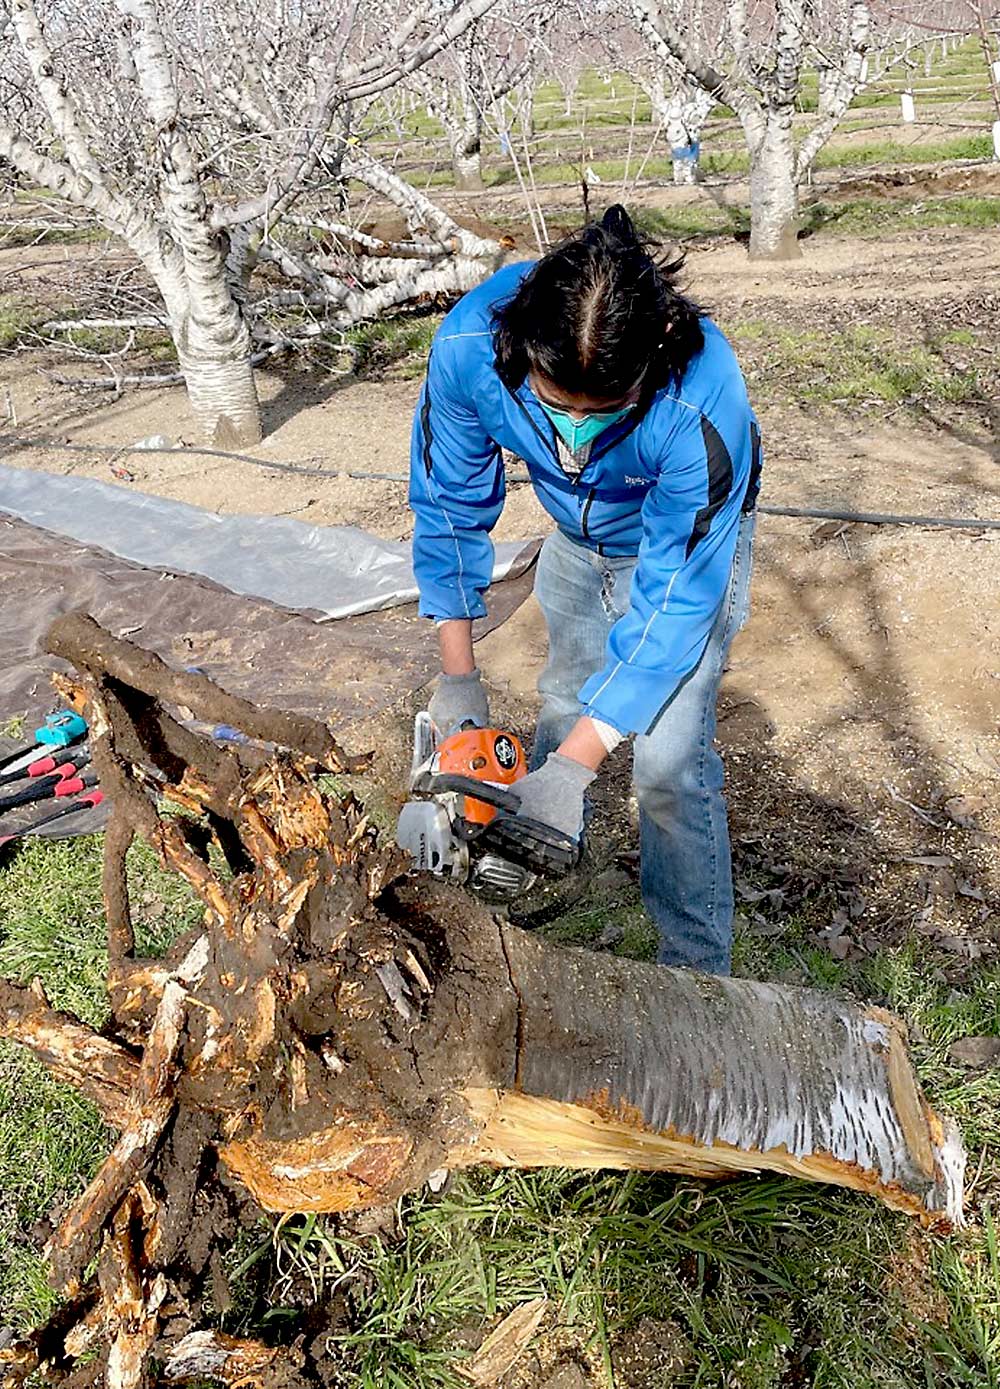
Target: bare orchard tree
463,87
771,44
150,119
680,106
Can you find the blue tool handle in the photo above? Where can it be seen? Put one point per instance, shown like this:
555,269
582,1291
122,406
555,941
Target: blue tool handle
226,733
61,729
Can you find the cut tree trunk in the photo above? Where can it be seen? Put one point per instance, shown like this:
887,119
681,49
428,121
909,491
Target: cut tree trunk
774,194
335,1031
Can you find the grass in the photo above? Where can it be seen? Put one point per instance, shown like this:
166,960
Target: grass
52,928
15,316
398,345
866,216
758,1283
851,217
836,155
14,236
854,366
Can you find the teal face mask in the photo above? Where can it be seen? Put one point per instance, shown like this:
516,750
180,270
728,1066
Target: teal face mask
584,430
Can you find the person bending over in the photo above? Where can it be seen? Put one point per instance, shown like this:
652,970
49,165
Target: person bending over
629,409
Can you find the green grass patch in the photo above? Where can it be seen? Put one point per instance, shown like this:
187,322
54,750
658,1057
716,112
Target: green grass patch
860,365
865,216
51,1142
855,217
52,927
15,317
842,156
13,236
398,346
742,1282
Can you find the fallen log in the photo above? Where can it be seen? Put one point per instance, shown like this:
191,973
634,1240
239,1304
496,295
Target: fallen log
336,1031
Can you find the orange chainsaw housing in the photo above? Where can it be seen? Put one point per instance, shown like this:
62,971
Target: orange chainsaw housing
488,754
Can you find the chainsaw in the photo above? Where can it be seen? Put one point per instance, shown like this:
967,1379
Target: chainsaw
462,823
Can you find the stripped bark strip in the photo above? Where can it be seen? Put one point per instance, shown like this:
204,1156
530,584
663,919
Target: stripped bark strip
132,1300
230,1359
71,1247
99,1069
79,639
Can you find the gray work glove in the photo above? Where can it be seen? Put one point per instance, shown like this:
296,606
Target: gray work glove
459,699
554,795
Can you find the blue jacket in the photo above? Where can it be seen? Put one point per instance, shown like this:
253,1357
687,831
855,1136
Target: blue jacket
668,486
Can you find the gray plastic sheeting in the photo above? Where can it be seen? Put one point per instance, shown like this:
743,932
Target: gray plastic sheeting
333,571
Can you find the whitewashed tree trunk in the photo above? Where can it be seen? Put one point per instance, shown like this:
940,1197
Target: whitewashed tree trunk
220,386
682,108
774,194
465,144
212,338
828,81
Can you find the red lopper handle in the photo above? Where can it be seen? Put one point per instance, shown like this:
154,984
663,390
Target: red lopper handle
70,785
45,764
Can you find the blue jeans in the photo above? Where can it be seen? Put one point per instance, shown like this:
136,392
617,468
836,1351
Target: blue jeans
685,867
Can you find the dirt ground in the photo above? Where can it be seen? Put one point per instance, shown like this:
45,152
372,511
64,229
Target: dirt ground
866,683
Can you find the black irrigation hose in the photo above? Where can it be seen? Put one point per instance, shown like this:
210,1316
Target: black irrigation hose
305,469
866,518
883,518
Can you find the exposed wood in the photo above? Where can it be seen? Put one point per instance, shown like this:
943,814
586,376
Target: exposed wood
229,1359
132,1301
505,1345
102,1070
71,1247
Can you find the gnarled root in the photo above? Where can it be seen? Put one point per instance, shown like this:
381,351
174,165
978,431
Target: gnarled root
333,1033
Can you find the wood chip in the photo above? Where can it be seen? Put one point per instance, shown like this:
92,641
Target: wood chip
504,1346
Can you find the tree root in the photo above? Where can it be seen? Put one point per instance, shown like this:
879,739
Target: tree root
334,1032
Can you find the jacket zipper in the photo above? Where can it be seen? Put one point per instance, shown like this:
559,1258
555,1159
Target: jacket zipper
585,513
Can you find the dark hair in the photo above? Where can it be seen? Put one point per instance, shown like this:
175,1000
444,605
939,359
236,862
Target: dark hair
597,314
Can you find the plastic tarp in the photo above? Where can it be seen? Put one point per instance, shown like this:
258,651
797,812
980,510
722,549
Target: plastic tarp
344,671
327,571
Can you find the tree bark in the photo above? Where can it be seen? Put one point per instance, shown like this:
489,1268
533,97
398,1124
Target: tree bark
466,159
223,396
774,194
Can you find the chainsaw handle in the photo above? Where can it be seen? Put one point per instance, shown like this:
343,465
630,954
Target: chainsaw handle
502,797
